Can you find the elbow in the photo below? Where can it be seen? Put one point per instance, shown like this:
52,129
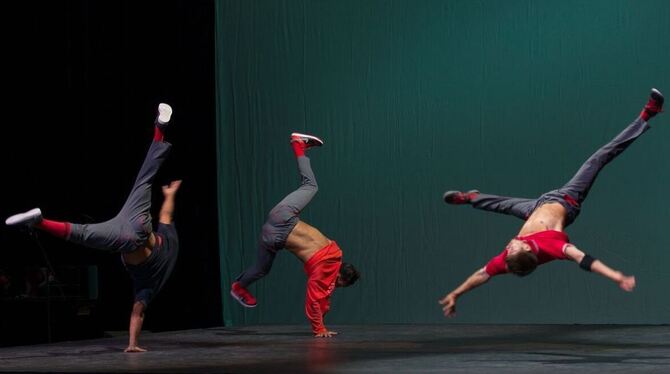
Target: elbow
482,276
138,309
165,218
586,262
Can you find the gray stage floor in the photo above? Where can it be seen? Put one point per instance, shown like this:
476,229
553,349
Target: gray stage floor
364,349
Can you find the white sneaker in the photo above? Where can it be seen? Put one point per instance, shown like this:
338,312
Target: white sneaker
28,218
310,140
164,113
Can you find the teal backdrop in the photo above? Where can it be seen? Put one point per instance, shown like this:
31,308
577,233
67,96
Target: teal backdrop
417,97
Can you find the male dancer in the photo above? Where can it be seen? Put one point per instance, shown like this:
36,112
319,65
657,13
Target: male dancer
284,229
541,238
149,256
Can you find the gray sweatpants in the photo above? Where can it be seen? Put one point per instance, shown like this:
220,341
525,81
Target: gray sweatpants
281,221
573,194
130,229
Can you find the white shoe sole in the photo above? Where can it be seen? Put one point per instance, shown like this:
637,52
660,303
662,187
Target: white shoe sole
24,218
164,113
240,300
305,136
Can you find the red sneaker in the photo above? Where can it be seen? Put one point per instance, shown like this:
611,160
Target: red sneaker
309,140
655,103
243,296
458,197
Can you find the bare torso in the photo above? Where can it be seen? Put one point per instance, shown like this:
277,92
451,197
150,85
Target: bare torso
550,216
304,241
140,255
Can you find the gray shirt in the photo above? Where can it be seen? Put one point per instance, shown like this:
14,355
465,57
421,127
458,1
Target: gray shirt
150,276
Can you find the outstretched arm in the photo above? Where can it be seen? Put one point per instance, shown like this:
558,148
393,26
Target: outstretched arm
167,210
136,320
475,280
625,282
315,316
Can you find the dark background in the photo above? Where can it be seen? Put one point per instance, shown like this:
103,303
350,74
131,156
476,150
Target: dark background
83,80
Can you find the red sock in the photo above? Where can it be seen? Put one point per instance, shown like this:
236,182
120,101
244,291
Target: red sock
158,134
644,115
298,148
55,228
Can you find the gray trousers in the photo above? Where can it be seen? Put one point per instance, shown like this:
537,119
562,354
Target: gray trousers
130,229
280,222
573,194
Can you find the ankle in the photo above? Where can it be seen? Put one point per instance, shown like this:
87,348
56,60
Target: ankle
159,135
55,228
298,148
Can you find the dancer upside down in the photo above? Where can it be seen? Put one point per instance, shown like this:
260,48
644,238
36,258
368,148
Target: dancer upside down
321,256
149,256
541,238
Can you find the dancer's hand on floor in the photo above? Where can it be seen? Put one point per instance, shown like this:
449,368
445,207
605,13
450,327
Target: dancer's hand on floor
627,283
449,307
325,334
134,349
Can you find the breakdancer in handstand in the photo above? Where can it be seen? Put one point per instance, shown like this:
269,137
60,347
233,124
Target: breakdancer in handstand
148,255
541,238
284,229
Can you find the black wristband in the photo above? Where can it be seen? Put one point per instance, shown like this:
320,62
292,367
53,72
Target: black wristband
586,262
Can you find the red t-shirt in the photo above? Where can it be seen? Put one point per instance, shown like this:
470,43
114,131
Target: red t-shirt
322,270
548,245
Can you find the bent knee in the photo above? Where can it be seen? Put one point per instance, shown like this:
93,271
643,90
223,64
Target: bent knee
280,214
